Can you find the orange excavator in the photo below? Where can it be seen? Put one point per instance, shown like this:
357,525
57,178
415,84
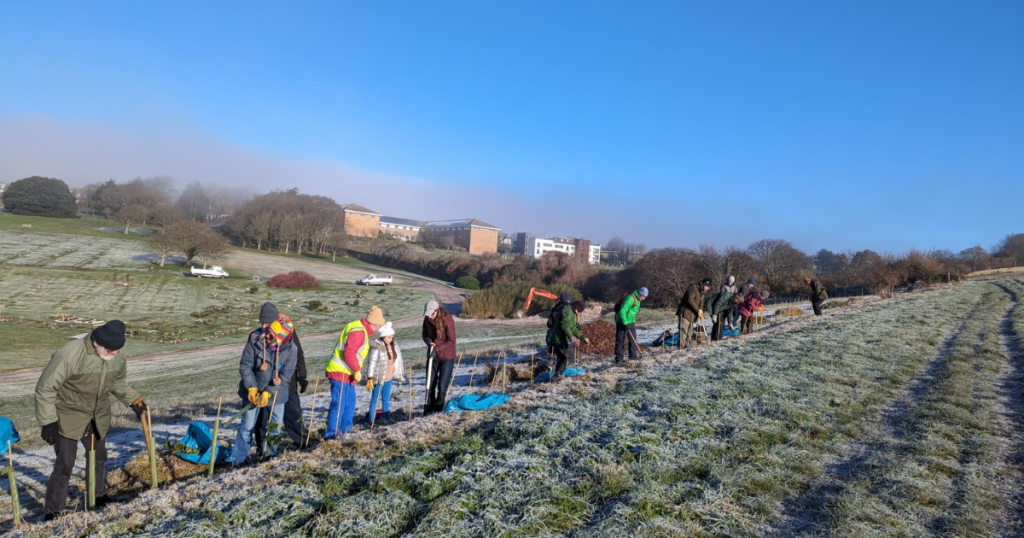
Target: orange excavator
529,299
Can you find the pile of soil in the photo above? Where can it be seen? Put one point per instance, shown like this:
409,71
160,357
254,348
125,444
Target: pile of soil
601,336
789,311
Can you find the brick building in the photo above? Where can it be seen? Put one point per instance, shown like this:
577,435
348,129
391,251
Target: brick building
401,229
360,221
476,236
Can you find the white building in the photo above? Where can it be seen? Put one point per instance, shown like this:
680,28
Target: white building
537,247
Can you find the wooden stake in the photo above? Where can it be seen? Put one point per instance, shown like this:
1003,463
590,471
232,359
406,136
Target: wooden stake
410,392
91,502
312,408
216,430
451,381
153,477
15,501
531,367
473,371
270,419
504,375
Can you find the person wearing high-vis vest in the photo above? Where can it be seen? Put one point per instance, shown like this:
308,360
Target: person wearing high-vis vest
344,370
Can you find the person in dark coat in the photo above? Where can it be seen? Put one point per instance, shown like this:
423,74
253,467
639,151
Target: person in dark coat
690,310
818,294
439,335
720,307
299,383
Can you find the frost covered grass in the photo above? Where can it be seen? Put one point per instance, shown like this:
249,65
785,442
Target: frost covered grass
723,447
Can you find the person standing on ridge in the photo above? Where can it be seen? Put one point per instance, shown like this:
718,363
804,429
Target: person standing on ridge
690,310
818,294
73,403
344,370
439,335
625,324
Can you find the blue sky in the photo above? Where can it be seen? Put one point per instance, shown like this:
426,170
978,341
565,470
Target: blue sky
842,125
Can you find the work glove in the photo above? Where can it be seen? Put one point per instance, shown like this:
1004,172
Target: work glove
303,385
50,433
139,407
700,314
358,376
264,399
254,396
369,384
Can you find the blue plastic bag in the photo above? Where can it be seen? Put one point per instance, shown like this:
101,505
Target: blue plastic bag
8,433
475,402
199,437
569,372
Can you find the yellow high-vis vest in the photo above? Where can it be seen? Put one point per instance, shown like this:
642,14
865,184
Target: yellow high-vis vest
337,362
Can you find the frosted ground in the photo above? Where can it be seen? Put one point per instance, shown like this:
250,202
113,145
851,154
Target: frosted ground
899,418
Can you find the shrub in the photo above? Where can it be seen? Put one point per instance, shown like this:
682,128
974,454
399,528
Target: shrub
315,305
504,299
40,196
467,283
294,280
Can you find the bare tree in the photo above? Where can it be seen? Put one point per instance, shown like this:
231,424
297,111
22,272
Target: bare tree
163,244
187,237
776,260
166,214
196,202
1011,248
131,214
211,247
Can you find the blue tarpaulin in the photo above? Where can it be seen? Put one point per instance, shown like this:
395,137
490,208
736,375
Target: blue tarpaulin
475,402
8,433
569,372
199,437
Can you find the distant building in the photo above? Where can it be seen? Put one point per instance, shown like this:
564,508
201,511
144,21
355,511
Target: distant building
401,229
581,248
476,236
521,244
360,221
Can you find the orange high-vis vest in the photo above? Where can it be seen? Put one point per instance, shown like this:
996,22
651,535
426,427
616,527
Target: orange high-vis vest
337,362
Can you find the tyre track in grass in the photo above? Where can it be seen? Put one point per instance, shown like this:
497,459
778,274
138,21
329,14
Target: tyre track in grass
810,513
1010,483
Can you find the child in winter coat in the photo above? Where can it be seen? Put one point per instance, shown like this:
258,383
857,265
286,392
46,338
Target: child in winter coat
384,366
751,305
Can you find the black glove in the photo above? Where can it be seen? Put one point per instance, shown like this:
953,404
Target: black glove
303,385
50,432
139,407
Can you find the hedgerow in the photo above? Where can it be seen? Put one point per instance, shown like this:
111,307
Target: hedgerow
294,280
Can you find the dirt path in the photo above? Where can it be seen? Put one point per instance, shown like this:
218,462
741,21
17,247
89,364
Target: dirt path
1010,407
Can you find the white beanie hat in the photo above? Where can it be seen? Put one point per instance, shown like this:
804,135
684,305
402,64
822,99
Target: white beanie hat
387,330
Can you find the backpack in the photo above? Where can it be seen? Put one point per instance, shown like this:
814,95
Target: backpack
618,304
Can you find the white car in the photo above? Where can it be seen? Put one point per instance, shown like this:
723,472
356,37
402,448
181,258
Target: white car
213,272
374,280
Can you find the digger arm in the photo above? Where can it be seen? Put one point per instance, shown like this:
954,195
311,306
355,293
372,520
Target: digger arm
541,293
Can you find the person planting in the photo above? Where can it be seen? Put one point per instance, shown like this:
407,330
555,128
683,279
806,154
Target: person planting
73,403
565,333
383,367
266,369
690,310
292,407
818,294
344,370
751,305
625,324
439,335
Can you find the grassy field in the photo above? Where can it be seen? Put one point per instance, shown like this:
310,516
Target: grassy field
91,226
892,421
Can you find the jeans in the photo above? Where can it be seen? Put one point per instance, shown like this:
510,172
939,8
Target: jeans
625,335
342,409
247,429
384,391
66,451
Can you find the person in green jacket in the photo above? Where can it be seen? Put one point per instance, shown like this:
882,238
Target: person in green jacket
625,324
73,403
565,333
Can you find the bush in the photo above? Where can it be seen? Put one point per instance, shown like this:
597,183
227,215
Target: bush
315,305
294,280
40,196
504,299
467,283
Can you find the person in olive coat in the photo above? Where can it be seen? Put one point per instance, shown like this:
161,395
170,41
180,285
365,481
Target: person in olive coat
818,294
73,404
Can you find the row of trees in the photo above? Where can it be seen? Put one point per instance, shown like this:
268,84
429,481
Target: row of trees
290,222
191,240
155,200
